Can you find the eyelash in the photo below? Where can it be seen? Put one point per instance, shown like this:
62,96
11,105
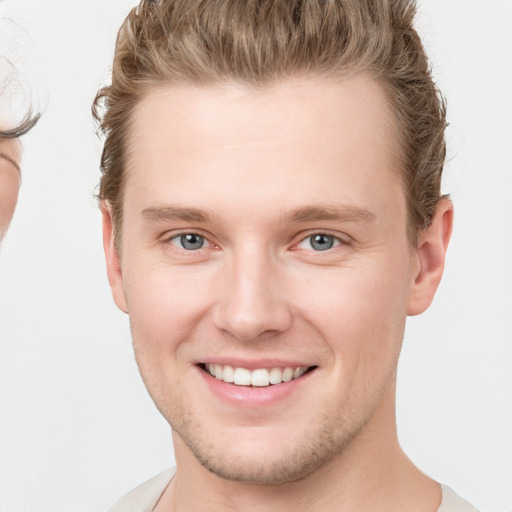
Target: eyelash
180,236
334,241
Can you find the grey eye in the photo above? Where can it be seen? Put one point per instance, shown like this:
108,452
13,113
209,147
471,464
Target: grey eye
189,241
321,242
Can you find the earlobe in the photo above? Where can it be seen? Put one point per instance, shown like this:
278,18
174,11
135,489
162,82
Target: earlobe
115,277
431,253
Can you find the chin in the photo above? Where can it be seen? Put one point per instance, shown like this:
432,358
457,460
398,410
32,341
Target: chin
269,459
286,469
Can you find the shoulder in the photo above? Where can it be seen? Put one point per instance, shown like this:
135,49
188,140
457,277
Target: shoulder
452,502
144,497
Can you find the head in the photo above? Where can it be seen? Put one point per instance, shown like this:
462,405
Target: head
16,119
272,213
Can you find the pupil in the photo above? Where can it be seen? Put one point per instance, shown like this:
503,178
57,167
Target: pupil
322,242
191,241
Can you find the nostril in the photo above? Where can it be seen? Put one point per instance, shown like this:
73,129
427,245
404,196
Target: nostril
251,313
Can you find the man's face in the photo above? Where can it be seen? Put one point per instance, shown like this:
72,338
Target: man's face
9,181
264,233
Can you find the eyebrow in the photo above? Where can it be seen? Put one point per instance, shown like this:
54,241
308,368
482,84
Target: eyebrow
330,213
156,213
11,160
300,215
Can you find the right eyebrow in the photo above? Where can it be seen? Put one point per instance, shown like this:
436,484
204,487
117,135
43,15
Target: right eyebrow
11,160
165,213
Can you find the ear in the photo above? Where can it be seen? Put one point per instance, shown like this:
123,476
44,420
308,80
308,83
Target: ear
115,276
430,253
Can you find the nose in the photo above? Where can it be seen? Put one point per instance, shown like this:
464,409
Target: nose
252,303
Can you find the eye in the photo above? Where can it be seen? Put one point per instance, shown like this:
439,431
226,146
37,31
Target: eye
319,242
188,241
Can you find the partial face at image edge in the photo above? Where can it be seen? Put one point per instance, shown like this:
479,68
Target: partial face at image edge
10,179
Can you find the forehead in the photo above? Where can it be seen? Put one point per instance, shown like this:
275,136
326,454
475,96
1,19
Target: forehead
329,140
198,116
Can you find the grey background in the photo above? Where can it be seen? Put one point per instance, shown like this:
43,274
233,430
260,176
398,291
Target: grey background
77,428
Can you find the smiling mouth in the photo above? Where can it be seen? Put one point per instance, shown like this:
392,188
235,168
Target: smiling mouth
262,377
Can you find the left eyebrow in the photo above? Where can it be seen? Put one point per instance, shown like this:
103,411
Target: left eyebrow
11,160
330,213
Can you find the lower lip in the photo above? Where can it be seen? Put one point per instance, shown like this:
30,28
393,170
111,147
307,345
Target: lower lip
252,396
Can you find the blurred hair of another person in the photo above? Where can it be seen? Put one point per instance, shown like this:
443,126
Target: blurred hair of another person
19,112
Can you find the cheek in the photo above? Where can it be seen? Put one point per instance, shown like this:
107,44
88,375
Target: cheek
361,313
9,187
163,314
165,303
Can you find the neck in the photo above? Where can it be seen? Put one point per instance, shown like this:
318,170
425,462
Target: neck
372,473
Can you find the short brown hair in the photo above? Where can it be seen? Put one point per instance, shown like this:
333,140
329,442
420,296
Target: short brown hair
260,42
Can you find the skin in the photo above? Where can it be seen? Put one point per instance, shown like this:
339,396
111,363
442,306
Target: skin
268,169
10,179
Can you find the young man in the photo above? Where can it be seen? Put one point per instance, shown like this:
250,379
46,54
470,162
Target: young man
272,213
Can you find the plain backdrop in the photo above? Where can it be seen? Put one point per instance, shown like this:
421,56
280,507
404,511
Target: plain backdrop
77,428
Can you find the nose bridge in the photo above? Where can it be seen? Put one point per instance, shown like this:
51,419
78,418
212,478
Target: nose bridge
250,301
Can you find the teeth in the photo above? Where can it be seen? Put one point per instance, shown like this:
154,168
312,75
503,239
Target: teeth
275,376
242,377
298,372
287,374
228,374
259,378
